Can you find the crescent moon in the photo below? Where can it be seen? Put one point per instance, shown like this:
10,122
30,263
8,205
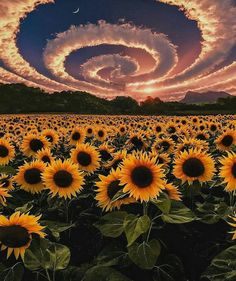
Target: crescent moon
76,12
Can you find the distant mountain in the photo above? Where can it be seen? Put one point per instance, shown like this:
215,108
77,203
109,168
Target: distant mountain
150,101
207,97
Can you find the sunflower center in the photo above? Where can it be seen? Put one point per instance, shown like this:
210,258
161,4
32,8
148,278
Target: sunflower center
46,159
113,188
201,137
76,136
36,145
14,236
32,176
63,178
234,170
142,176
5,183
213,128
3,151
158,129
172,130
227,140
193,167
49,138
100,133
89,131
137,142
84,158
105,155
165,145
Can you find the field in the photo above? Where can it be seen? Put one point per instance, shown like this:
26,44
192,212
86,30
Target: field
117,198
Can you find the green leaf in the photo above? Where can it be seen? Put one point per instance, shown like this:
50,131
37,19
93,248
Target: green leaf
37,256
14,273
112,224
25,208
56,227
145,254
7,170
59,256
118,196
163,203
44,254
179,213
223,266
101,273
135,226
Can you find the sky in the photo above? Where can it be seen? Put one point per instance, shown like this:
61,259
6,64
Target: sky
112,48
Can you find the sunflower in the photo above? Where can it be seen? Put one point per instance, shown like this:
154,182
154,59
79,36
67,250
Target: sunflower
137,141
158,128
16,233
226,141
194,165
142,177
105,152
3,195
172,191
117,160
101,134
6,182
29,176
45,156
89,131
228,171
77,136
188,143
87,157
161,158
234,225
51,136
165,144
7,152
108,187
202,135
32,144
63,178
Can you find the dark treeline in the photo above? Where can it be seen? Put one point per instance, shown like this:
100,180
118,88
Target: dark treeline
18,98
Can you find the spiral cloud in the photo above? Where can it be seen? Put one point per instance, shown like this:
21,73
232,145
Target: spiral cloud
149,64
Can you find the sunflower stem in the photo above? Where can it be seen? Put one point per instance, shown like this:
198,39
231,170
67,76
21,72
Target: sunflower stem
145,208
48,275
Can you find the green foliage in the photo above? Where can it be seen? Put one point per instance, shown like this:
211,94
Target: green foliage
145,254
223,266
14,273
47,255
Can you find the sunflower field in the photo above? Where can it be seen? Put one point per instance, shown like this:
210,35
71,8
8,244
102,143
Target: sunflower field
117,198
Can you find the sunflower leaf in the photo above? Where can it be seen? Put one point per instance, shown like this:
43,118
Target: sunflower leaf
145,254
7,170
59,256
223,266
112,224
14,273
135,226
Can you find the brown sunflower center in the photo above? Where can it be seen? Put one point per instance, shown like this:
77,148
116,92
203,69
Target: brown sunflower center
3,151
76,136
142,176
165,145
193,167
84,158
171,129
105,155
100,133
32,176
213,128
49,138
36,145
113,188
234,170
158,129
46,159
137,142
5,183
14,236
227,140
201,137
63,178
89,131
